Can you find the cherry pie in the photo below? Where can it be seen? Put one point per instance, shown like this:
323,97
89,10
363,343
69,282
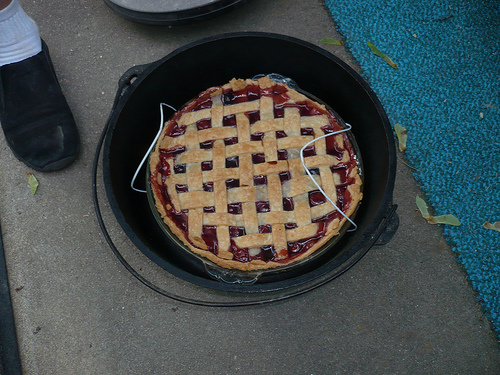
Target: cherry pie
228,180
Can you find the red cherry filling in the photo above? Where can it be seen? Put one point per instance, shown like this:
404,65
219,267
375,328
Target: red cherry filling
258,158
207,165
229,120
207,144
179,168
266,228
253,116
316,197
285,176
232,183
306,131
230,141
236,231
209,235
203,103
257,136
309,151
262,206
177,130
208,186
235,208
260,180
288,204
280,134
232,162
204,124
172,152
282,154
267,253
181,188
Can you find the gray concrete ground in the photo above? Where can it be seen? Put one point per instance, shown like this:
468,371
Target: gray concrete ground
405,308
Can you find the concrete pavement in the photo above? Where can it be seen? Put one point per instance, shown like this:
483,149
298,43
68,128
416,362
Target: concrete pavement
405,308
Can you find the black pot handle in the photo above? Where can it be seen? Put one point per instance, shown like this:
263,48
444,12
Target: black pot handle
129,77
388,227
126,81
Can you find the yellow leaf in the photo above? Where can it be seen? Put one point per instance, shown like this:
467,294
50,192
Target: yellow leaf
422,206
332,41
492,226
382,55
32,181
443,219
447,219
402,136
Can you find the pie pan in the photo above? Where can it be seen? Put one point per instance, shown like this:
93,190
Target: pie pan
180,76
250,277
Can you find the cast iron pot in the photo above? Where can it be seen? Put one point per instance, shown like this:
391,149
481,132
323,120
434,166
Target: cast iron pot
184,73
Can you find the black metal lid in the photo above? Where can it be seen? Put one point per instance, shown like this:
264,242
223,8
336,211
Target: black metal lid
172,12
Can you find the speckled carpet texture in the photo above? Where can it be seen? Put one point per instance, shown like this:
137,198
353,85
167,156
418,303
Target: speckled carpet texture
445,91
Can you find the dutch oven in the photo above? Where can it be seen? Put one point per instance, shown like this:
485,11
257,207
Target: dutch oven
180,76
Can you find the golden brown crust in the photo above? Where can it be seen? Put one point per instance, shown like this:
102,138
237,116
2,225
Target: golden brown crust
194,200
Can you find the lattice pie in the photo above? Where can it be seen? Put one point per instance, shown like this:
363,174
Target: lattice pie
228,180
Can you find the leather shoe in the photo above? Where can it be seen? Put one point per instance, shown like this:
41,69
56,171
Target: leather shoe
36,119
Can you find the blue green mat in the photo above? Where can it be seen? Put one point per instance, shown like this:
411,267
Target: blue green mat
446,92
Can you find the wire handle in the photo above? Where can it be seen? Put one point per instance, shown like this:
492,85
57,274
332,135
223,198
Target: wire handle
150,148
349,127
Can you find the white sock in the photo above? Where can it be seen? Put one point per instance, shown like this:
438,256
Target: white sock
19,35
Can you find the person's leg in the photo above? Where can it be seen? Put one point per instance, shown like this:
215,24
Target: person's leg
19,36
36,120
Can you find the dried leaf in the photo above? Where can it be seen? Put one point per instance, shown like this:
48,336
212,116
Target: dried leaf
402,136
492,226
422,206
32,181
443,219
331,41
445,18
384,57
447,219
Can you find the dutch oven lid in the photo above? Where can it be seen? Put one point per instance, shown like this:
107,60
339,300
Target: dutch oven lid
171,12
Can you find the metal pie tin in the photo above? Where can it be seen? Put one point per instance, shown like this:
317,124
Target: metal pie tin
234,276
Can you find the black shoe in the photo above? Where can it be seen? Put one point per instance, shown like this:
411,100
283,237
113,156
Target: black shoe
36,119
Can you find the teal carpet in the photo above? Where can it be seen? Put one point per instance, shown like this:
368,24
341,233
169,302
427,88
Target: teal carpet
446,92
